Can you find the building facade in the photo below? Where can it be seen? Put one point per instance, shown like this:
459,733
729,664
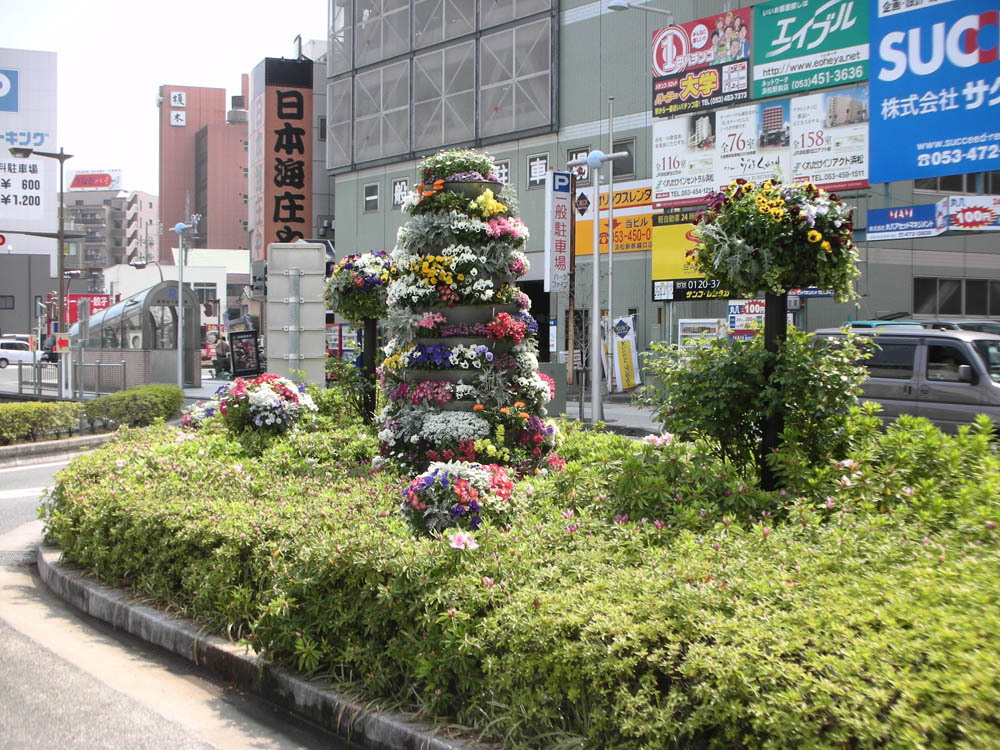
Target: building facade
537,83
203,165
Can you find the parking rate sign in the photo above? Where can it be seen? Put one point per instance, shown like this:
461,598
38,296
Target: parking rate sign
935,89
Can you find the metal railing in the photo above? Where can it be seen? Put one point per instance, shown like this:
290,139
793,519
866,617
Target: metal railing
38,378
104,377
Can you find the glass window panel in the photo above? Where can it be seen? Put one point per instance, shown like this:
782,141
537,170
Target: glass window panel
532,102
954,183
428,22
995,298
497,58
493,12
975,297
367,139
950,296
460,68
427,118
993,183
533,51
396,132
497,110
925,296
459,18
891,361
132,331
460,117
339,120
625,167
340,36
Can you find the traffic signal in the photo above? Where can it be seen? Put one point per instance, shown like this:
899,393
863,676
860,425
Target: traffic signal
3,240
208,309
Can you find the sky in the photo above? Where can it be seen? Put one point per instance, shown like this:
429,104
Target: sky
113,56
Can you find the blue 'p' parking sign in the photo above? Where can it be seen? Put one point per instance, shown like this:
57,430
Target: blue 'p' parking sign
8,90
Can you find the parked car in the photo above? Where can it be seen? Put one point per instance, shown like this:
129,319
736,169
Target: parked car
947,376
983,326
862,324
13,350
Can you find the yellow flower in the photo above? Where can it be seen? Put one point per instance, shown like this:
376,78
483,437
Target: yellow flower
826,246
814,236
733,185
777,214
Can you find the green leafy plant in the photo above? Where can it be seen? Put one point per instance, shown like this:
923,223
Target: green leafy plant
134,407
33,420
716,390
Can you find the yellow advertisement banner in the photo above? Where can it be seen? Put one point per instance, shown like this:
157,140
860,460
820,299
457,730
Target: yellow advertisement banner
632,234
673,245
626,373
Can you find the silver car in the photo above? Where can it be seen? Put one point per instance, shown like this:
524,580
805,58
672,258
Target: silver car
13,350
946,376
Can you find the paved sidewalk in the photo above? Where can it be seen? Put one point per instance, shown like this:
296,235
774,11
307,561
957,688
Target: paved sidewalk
314,700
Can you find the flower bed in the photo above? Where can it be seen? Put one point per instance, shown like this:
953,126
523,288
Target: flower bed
860,610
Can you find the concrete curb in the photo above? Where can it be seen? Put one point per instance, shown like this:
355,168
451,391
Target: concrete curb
315,701
33,453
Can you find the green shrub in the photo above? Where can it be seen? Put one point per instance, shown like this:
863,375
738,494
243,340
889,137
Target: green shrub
858,620
135,407
716,390
31,420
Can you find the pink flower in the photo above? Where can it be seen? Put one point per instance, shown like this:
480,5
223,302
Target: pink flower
567,513
658,440
462,540
487,582
657,524
119,463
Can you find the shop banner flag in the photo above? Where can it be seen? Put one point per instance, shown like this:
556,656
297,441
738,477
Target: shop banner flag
626,357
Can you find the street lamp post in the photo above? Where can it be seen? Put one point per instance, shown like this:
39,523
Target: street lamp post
180,228
595,160
622,5
139,265
62,156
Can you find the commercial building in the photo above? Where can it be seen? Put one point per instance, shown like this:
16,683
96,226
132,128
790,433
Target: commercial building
530,81
203,165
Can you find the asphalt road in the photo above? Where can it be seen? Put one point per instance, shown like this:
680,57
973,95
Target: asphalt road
69,681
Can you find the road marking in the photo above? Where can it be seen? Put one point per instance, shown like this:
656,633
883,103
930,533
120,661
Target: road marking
28,467
22,492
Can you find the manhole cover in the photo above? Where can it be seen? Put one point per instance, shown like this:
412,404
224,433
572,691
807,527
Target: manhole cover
14,558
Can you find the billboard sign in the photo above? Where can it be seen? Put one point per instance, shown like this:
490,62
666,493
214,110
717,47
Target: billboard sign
907,222
701,64
934,89
558,215
808,44
280,178
821,138
632,217
108,179
98,302
974,213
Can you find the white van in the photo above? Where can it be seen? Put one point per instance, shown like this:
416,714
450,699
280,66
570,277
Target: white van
946,376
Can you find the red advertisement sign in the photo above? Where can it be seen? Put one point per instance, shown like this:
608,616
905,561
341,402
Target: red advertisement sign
97,302
701,64
90,181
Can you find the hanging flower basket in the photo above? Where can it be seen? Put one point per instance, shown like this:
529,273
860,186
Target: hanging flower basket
774,237
356,290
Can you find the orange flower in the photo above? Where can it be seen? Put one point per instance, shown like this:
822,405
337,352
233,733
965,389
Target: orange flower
505,410
478,407
428,193
438,184
523,415
518,404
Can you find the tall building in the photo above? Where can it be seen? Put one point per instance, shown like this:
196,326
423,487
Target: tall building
203,166
142,227
529,81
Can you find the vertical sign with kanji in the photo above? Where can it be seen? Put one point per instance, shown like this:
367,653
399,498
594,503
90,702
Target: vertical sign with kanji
557,219
280,153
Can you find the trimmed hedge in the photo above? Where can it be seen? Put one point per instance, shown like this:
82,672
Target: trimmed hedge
860,611
31,420
135,407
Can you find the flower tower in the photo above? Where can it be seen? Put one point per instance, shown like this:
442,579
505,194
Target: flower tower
460,380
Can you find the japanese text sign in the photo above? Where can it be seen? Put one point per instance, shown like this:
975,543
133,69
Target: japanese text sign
935,89
701,64
808,44
558,215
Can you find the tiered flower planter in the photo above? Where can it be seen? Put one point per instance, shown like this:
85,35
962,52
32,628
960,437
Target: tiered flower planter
456,260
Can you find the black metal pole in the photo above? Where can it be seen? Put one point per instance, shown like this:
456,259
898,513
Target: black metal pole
368,368
775,334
